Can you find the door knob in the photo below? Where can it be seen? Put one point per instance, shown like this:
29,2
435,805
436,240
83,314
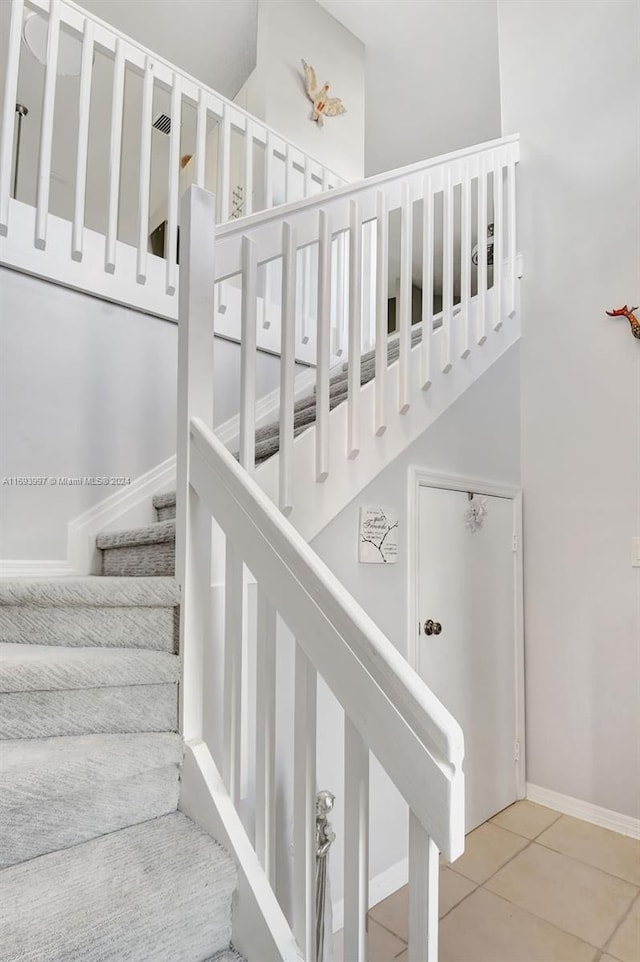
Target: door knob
432,627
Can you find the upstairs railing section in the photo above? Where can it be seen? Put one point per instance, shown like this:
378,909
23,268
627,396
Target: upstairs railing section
387,708
428,222
138,130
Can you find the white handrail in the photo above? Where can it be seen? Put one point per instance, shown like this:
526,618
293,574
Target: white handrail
388,709
398,175
266,528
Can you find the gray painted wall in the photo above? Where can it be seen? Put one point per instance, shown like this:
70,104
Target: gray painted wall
432,77
570,87
87,388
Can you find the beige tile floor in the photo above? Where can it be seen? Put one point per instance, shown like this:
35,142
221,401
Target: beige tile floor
532,886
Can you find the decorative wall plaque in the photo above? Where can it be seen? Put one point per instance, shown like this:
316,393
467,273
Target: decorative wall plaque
378,536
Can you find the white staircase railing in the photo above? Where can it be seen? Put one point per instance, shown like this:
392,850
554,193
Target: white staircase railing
388,710
87,225
425,221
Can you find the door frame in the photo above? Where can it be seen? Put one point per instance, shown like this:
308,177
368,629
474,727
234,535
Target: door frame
423,477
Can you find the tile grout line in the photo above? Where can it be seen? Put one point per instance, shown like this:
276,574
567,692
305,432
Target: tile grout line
553,925
599,951
622,920
386,927
596,868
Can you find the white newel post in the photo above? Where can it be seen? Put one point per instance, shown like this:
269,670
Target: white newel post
195,400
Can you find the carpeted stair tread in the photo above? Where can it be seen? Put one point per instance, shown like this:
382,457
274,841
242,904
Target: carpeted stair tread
58,792
47,668
42,768
86,711
148,551
109,627
92,591
157,891
164,500
39,827
157,532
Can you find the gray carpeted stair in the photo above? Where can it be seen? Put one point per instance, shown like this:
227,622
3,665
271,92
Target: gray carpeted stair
268,436
96,864
47,691
87,612
148,551
156,892
59,792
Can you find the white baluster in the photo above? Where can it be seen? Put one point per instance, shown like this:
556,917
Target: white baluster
248,168
287,366
382,310
145,173
498,242
304,804
511,190
423,894
427,286
201,138
233,629
306,295
356,843
268,203
323,346
404,306
195,399
288,175
447,275
355,330
268,172
481,323
368,286
340,313
171,240
224,165
84,105
465,261
115,157
266,735
9,111
46,126
248,355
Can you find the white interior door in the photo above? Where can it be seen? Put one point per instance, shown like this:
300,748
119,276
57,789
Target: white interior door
466,584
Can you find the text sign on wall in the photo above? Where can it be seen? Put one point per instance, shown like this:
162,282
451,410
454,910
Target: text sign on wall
378,536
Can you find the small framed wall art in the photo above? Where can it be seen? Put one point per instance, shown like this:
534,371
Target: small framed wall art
377,536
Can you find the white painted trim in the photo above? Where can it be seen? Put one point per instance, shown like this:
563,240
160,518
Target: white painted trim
423,477
587,811
381,886
259,927
35,569
130,507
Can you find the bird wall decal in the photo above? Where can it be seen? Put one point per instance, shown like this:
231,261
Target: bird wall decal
323,105
630,316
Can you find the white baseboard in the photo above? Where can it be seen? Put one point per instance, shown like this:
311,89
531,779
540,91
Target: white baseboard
35,569
129,507
604,817
380,887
